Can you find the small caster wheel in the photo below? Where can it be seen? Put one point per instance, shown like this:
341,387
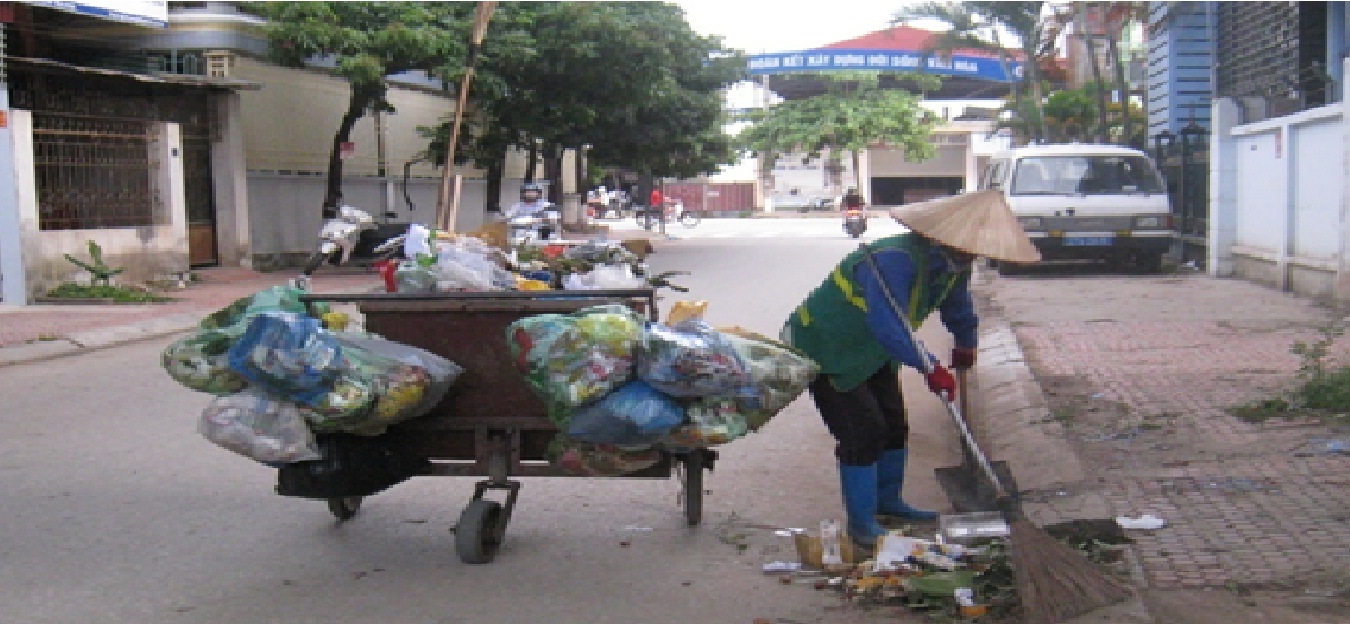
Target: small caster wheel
344,507
480,531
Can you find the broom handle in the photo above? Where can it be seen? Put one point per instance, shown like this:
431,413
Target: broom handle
925,359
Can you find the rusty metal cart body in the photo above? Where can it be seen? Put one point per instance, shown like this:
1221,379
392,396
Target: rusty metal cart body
491,424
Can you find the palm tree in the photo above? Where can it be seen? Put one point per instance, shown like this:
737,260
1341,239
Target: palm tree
972,22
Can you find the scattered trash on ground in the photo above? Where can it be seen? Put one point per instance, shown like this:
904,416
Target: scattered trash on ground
1146,522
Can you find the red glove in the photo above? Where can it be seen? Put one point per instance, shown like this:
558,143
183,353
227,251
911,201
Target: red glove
963,358
941,380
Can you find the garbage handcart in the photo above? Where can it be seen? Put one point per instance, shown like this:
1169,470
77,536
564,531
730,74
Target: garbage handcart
491,424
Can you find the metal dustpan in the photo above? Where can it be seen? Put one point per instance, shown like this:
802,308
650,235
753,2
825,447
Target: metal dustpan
967,484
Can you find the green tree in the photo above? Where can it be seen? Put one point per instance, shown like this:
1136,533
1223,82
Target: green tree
630,79
976,25
367,42
1072,115
853,115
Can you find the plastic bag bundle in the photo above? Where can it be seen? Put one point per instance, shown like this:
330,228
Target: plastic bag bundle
586,459
570,360
412,277
201,362
275,299
408,382
604,277
259,427
417,242
690,359
289,355
778,374
371,392
635,414
710,422
599,253
465,265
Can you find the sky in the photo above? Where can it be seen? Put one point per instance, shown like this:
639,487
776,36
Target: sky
758,26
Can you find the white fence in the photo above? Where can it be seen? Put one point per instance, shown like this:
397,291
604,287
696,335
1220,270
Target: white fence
287,210
1279,189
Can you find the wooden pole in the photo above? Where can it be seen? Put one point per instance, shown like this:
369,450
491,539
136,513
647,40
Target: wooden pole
447,201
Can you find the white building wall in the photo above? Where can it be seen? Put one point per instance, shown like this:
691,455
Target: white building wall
145,252
1279,194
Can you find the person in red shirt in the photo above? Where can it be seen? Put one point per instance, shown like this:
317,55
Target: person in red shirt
657,200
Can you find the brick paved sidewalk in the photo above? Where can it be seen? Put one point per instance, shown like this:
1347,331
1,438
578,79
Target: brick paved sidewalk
1138,373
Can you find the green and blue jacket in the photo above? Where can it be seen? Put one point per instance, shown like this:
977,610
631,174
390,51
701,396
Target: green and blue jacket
847,326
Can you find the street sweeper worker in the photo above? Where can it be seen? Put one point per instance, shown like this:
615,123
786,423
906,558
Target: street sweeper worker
849,326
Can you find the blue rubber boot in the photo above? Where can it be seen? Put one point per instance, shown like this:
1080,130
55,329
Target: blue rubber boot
859,484
890,482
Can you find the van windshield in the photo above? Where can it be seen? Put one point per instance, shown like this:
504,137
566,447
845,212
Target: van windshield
1085,175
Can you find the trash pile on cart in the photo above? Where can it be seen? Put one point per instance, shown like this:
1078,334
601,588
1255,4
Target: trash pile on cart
287,389
620,388
442,263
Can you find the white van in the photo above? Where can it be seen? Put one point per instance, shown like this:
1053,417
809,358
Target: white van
1098,202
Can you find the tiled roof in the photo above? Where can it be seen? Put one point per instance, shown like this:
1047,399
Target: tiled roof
905,38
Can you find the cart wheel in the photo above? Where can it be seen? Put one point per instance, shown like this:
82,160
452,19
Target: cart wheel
693,486
344,507
479,531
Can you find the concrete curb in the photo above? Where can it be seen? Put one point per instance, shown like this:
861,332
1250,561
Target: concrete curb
85,342
1011,421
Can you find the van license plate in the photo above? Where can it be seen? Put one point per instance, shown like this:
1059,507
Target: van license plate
1087,241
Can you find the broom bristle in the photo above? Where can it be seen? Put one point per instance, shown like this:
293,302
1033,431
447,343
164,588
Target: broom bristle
1054,581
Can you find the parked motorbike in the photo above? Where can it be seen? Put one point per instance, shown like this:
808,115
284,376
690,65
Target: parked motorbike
353,234
855,222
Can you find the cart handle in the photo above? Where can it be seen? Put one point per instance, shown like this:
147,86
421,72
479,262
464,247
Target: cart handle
506,295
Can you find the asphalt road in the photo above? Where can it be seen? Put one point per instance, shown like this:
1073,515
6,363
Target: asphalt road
116,511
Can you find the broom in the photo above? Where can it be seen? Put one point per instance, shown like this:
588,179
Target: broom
1054,581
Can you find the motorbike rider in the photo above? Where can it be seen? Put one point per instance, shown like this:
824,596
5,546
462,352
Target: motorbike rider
531,204
853,201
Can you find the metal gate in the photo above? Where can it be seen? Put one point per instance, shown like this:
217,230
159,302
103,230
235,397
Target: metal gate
92,146
93,173
1183,159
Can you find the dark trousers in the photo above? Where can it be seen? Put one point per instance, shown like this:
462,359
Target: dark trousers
866,420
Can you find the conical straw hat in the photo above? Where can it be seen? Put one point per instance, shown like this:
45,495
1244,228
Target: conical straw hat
979,223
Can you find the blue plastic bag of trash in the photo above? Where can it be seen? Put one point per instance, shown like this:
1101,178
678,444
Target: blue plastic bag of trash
289,355
690,359
634,414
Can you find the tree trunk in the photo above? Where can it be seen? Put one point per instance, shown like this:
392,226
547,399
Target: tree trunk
1007,73
857,180
1089,42
531,162
1037,97
1123,88
357,105
495,169
553,172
